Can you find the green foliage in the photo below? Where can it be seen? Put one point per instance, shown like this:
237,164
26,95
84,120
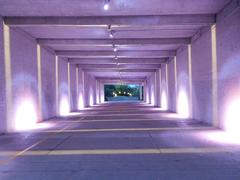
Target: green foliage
122,90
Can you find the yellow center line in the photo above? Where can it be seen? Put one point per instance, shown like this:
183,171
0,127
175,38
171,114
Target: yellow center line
189,150
21,153
128,129
119,120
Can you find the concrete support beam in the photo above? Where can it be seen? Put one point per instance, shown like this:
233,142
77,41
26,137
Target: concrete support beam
121,66
118,81
162,53
130,41
149,20
119,60
228,9
119,70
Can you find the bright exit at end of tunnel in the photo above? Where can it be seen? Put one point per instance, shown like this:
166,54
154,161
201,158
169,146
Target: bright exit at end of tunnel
120,92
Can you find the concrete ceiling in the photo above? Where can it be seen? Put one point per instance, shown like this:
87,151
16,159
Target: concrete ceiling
146,33
117,7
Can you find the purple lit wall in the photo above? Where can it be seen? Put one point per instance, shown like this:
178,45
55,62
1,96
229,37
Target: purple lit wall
171,87
90,87
80,87
164,88
48,84
27,89
73,89
151,89
24,80
63,94
228,59
158,88
202,77
183,95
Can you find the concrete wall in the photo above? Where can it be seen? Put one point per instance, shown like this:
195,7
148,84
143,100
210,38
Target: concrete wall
172,86
164,87
24,71
151,89
73,88
63,88
202,78
208,83
48,84
80,93
228,65
183,101
89,88
158,88
26,90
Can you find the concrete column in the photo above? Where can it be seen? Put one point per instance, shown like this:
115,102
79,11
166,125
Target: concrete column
102,100
3,105
140,92
80,84
158,90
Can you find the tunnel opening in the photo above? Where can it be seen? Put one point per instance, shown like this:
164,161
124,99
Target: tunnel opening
123,92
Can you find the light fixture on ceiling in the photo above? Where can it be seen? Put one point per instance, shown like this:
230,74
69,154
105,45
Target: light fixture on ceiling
114,48
111,34
106,5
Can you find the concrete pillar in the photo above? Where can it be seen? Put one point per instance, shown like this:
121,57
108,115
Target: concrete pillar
3,105
80,84
158,89
102,100
140,92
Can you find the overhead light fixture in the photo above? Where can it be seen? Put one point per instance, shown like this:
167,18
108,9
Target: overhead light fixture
109,27
114,48
111,34
106,5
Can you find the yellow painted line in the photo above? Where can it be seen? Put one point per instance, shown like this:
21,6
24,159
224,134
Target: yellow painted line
23,152
191,150
128,129
120,120
87,115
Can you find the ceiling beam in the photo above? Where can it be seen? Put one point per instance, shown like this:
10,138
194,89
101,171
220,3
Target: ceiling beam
149,20
119,60
120,66
130,41
117,78
160,53
120,70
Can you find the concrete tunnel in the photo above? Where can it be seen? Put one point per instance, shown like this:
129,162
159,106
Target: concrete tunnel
57,56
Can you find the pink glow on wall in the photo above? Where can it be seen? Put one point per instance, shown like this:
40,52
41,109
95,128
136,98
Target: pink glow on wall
152,98
221,137
91,103
164,101
26,115
64,107
80,102
183,104
232,117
